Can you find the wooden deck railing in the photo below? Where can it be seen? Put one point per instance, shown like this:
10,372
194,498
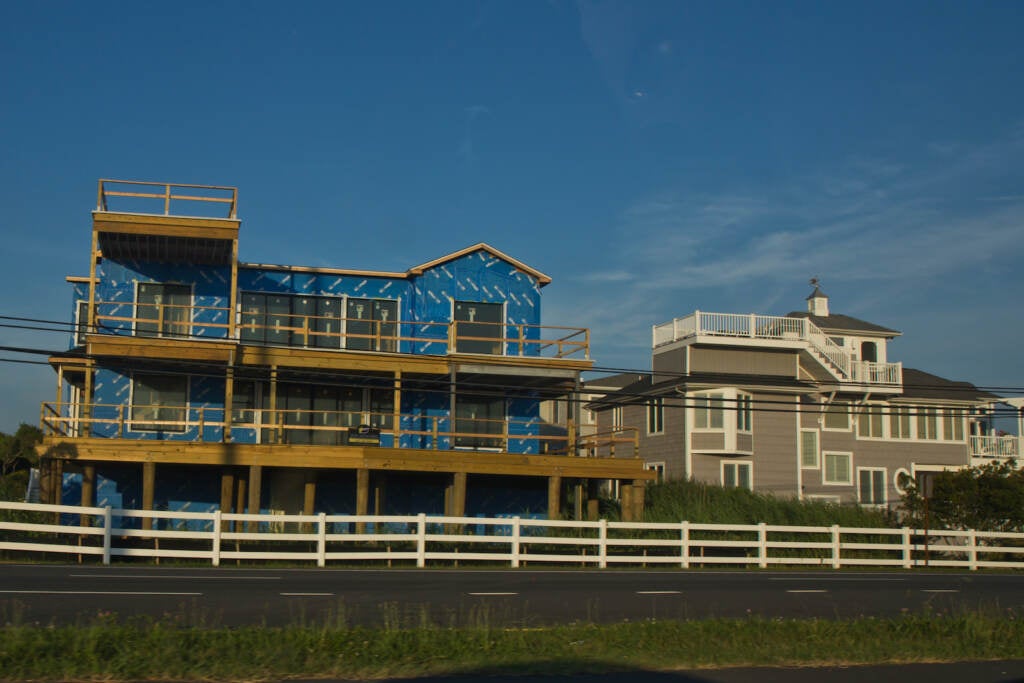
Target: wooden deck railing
157,194
182,321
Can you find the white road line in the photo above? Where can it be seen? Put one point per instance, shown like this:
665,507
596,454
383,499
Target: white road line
305,595
658,592
40,592
939,590
492,594
808,590
163,577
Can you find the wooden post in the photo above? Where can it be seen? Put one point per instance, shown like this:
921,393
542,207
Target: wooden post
255,489
396,409
593,509
639,488
88,491
309,493
554,497
379,493
240,497
227,492
85,411
148,489
233,295
458,494
626,502
229,399
577,503
276,431
362,496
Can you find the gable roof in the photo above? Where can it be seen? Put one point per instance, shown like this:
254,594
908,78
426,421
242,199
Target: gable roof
845,323
542,279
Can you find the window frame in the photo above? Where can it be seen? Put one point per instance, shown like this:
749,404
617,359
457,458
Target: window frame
160,332
656,466
704,404
925,416
827,409
825,481
81,322
738,465
875,414
817,449
744,412
147,425
501,326
884,484
953,421
656,416
897,415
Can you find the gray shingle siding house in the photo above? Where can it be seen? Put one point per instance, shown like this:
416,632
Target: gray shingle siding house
806,405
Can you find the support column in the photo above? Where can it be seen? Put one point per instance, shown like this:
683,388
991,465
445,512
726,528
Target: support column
458,494
639,489
255,489
275,422
554,497
626,502
229,399
148,489
362,497
309,493
88,491
227,494
241,495
396,409
578,489
379,493
233,296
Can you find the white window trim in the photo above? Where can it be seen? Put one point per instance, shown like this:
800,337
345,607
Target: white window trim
824,469
885,485
824,498
884,416
850,417
79,332
740,395
896,479
746,463
656,466
656,404
817,449
709,394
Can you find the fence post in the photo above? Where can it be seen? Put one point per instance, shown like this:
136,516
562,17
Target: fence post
602,544
908,560
684,539
107,522
762,545
217,521
321,540
421,540
972,549
836,562
516,530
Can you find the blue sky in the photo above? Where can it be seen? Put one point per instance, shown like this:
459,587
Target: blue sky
653,158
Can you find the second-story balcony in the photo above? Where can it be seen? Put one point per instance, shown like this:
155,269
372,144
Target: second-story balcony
778,331
991,448
193,322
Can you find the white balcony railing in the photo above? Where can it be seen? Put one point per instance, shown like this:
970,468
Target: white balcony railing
780,328
995,447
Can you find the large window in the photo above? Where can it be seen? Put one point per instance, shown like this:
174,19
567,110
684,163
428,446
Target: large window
318,321
871,485
927,423
371,324
656,416
709,411
838,468
837,415
479,327
809,457
479,422
869,422
159,403
81,322
737,475
163,310
899,423
657,467
744,413
953,425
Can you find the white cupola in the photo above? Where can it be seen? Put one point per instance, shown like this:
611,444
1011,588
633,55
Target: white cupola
817,302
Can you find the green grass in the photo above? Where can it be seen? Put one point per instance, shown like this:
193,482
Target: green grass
171,650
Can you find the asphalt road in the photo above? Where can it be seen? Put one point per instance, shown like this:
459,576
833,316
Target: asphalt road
231,597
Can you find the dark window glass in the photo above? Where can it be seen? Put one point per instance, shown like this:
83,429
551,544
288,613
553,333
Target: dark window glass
479,327
163,310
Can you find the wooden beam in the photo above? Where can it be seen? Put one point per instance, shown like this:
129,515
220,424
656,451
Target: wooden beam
229,399
148,491
88,486
255,489
227,494
309,493
577,502
554,497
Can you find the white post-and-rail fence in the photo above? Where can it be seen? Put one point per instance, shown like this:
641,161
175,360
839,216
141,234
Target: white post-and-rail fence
418,539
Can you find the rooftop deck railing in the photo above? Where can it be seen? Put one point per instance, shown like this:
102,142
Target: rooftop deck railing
177,321
779,328
320,427
136,194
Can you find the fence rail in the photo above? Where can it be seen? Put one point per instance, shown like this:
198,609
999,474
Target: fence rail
29,530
